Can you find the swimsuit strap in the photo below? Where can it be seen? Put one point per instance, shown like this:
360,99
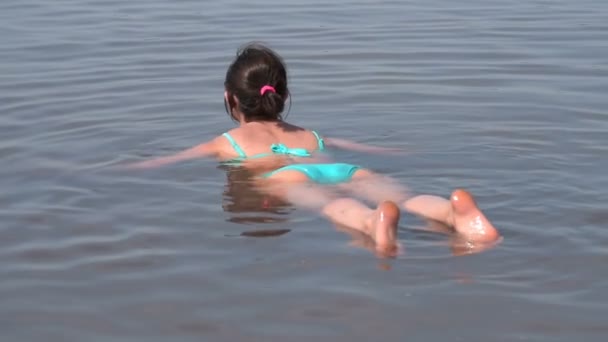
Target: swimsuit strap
282,149
235,146
276,148
319,140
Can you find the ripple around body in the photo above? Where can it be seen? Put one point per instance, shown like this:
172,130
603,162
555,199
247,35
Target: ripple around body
504,98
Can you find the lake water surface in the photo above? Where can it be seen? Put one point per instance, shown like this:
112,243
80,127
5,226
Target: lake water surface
504,98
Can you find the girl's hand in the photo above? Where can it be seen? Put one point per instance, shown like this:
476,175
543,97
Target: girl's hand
203,150
355,146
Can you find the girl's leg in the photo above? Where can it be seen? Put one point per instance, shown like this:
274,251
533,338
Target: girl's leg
375,188
459,212
380,224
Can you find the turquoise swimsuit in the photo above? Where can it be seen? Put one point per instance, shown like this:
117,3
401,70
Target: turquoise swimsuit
333,173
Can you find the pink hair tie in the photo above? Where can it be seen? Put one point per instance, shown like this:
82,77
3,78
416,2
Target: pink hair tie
267,88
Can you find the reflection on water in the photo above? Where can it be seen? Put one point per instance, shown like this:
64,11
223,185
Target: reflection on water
247,204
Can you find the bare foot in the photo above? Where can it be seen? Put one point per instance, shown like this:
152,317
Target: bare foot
468,220
382,227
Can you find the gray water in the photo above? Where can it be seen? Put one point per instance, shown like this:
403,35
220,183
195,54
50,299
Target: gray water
504,98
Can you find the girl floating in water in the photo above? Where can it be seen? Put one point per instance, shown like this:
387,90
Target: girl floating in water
290,164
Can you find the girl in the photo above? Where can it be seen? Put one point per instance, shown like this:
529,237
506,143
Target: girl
289,164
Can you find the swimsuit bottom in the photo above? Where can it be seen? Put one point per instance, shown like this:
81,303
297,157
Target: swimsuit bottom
333,173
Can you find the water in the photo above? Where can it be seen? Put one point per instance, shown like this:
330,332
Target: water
505,98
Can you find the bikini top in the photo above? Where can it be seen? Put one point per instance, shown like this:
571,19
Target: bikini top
275,149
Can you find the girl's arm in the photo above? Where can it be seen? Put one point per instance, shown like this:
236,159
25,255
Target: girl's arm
203,150
355,146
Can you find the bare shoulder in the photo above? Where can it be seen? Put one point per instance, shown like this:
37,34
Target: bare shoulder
223,145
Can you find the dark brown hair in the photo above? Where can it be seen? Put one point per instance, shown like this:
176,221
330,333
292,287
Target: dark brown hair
254,67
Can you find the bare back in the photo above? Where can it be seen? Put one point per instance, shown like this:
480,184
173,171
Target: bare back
256,138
